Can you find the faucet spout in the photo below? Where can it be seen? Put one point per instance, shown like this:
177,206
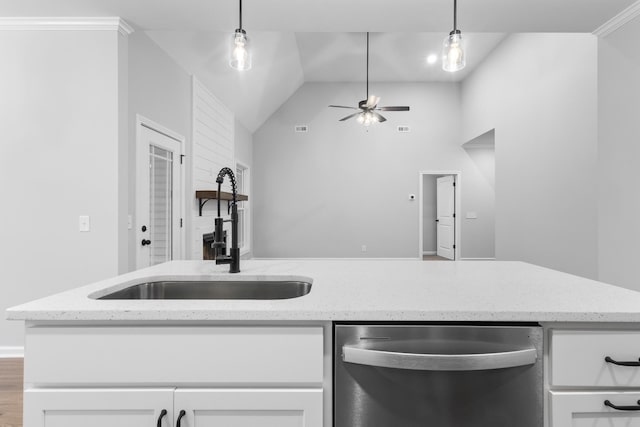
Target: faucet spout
233,259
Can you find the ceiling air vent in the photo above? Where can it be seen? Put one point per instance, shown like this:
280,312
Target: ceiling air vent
403,129
302,128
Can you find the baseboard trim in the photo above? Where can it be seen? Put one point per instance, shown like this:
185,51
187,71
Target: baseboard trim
11,352
477,259
334,259
429,253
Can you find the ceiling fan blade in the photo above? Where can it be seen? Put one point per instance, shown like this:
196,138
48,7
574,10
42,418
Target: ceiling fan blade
378,117
342,106
348,117
404,108
372,101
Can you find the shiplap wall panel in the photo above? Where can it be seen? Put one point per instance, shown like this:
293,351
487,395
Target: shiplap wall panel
213,149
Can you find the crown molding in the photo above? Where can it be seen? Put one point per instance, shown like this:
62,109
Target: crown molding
619,20
66,24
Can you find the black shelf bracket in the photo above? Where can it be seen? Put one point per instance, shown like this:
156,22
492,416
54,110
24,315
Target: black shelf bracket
204,200
201,203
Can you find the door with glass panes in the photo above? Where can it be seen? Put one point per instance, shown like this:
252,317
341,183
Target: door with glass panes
159,197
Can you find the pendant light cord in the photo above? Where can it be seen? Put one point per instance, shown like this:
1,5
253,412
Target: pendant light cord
241,14
455,14
367,65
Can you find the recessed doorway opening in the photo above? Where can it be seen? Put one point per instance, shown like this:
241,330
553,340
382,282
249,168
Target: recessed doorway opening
439,231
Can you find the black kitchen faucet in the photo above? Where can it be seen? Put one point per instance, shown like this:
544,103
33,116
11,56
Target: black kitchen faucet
218,244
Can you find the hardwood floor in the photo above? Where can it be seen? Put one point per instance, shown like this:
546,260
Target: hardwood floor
11,371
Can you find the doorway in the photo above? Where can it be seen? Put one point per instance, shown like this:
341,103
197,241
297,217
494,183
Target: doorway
159,194
439,230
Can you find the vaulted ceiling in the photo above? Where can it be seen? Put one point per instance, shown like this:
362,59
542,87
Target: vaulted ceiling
295,41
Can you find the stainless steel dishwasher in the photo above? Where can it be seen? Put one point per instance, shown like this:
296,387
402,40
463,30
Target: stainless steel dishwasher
438,375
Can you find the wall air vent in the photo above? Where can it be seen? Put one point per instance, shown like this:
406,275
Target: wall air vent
404,129
302,128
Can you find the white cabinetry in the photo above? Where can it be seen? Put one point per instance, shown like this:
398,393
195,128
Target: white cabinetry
162,407
227,376
594,378
98,407
587,409
249,408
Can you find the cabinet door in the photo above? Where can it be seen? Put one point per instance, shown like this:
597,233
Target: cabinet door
249,407
98,408
587,409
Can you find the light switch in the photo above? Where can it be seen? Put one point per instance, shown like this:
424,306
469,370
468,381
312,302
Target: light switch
472,215
84,223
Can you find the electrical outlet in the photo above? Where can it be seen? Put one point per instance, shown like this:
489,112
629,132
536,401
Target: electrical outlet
84,223
364,248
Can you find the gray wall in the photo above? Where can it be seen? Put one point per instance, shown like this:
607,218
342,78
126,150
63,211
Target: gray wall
243,144
429,213
161,91
481,151
59,159
327,192
541,98
618,156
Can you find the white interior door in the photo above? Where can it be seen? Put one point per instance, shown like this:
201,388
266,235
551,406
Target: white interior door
159,198
446,208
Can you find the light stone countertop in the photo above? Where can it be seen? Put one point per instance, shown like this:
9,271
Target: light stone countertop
376,290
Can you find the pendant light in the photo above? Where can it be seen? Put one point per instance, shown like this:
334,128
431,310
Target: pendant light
453,58
239,52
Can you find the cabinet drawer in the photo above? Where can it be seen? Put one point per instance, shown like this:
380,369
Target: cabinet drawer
587,409
578,358
215,356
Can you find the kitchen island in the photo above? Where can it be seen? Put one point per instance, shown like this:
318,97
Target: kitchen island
376,290
142,362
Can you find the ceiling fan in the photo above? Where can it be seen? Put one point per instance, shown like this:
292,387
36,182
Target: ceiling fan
369,106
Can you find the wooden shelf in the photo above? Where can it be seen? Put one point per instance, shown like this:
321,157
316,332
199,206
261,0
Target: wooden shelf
204,196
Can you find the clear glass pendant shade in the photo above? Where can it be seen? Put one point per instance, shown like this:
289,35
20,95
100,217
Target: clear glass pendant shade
239,51
453,58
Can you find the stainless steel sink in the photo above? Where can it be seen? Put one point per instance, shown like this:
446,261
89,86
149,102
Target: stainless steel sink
257,290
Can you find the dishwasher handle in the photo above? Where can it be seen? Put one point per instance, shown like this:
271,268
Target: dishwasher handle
439,362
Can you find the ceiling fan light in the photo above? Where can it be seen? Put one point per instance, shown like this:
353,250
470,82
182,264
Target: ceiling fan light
367,118
239,51
453,57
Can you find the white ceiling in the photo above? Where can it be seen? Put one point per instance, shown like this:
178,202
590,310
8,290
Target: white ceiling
341,57
502,16
323,40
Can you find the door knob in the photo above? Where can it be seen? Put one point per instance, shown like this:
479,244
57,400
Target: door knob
146,242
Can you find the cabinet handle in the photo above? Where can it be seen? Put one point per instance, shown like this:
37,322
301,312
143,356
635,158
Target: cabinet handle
182,414
622,408
615,362
439,362
162,414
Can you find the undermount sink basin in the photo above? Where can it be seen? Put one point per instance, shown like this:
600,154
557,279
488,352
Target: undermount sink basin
219,289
